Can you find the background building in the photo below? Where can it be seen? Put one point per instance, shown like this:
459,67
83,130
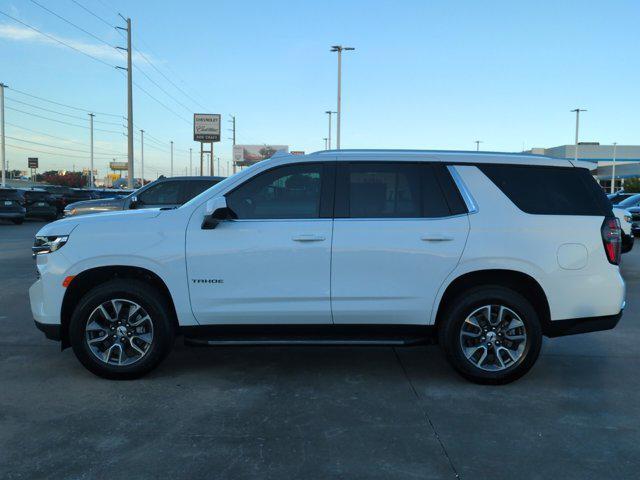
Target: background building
601,157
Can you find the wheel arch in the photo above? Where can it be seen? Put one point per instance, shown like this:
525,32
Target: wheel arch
92,277
517,281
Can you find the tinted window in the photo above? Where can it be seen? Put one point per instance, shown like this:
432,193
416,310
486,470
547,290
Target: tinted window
196,187
286,192
10,194
36,196
389,190
164,193
550,190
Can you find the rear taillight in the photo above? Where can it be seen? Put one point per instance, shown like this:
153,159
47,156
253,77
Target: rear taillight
612,239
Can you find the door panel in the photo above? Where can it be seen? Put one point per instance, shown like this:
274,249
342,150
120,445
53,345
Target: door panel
266,274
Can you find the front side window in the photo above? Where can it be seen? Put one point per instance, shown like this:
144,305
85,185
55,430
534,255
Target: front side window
389,190
164,193
292,191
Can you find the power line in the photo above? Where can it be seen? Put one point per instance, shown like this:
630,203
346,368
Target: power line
60,121
144,57
51,37
161,88
58,113
72,24
38,132
50,153
163,105
65,105
55,146
93,14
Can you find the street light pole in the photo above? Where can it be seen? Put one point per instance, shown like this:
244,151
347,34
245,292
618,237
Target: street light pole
575,152
91,179
2,147
613,168
142,158
478,142
190,161
325,143
339,49
172,158
328,147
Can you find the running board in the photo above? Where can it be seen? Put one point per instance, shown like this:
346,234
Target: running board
307,335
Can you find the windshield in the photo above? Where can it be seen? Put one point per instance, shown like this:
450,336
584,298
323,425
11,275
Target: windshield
630,202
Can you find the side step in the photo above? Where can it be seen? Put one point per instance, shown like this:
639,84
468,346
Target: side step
308,335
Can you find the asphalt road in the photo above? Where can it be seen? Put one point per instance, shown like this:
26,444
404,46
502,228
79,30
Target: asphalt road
313,413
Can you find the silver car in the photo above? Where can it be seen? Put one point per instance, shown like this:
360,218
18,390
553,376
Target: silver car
163,193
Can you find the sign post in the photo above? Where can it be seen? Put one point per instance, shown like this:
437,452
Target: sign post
32,163
206,129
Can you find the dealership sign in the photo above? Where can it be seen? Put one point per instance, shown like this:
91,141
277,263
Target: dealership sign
118,166
32,162
206,127
249,154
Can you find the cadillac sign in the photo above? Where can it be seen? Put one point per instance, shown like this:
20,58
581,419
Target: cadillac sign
206,127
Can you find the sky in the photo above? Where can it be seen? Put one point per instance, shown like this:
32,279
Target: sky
424,74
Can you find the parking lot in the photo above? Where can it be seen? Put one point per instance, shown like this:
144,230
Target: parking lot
323,412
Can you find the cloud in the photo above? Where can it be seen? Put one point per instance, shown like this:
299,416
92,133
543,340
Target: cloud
26,35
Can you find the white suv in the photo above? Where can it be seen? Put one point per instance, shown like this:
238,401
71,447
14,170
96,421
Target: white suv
483,252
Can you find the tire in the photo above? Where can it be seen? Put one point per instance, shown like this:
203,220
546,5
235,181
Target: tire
464,349
153,335
17,221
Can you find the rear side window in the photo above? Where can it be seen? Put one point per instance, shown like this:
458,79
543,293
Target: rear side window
194,188
163,193
389,190
549,190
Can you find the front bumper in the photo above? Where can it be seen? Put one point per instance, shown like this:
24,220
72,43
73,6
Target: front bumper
11,215
572,326
51,331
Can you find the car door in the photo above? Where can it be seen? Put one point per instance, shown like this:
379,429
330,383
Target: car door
399,230
164,194
271,265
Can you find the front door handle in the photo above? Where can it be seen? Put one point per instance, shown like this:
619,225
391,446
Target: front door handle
308,238
436,237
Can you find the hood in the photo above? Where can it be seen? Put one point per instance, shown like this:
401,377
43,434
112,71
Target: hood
101,202
117,219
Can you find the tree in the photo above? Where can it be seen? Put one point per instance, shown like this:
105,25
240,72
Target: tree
632,185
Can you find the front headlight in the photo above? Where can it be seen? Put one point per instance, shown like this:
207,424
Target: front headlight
627,218
49,244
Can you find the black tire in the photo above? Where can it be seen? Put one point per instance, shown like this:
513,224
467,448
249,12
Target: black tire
17,221
464,305
150,300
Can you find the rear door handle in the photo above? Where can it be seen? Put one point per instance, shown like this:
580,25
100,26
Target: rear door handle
436,237
308,238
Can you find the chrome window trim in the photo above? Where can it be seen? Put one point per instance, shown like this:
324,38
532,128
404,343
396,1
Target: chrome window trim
469,201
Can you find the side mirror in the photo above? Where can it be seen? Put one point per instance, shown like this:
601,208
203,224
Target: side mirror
216,210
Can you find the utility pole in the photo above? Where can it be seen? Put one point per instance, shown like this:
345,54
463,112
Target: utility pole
575,152
613,168
325,143
190,161
91,179
233,131
339,49
172,158
478,142
142,158
329,112
129,70
2,147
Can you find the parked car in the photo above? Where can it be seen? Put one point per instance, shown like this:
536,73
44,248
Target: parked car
163,193
632,205
59,195
616,198
625,219
12,205
40,204
486,252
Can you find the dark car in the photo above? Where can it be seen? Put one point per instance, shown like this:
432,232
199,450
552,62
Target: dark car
12,205
616,198
163,193
59,195
632,205
40,204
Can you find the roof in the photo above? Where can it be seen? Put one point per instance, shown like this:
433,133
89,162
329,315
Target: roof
193,177
455,156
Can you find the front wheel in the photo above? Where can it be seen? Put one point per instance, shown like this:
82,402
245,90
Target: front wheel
121,329
491,335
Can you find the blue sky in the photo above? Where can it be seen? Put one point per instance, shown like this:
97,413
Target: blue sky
425,74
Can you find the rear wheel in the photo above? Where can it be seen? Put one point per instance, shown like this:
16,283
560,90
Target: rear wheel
121,329
491,335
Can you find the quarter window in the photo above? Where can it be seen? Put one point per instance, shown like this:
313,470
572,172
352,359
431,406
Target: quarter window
292,191
164,193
